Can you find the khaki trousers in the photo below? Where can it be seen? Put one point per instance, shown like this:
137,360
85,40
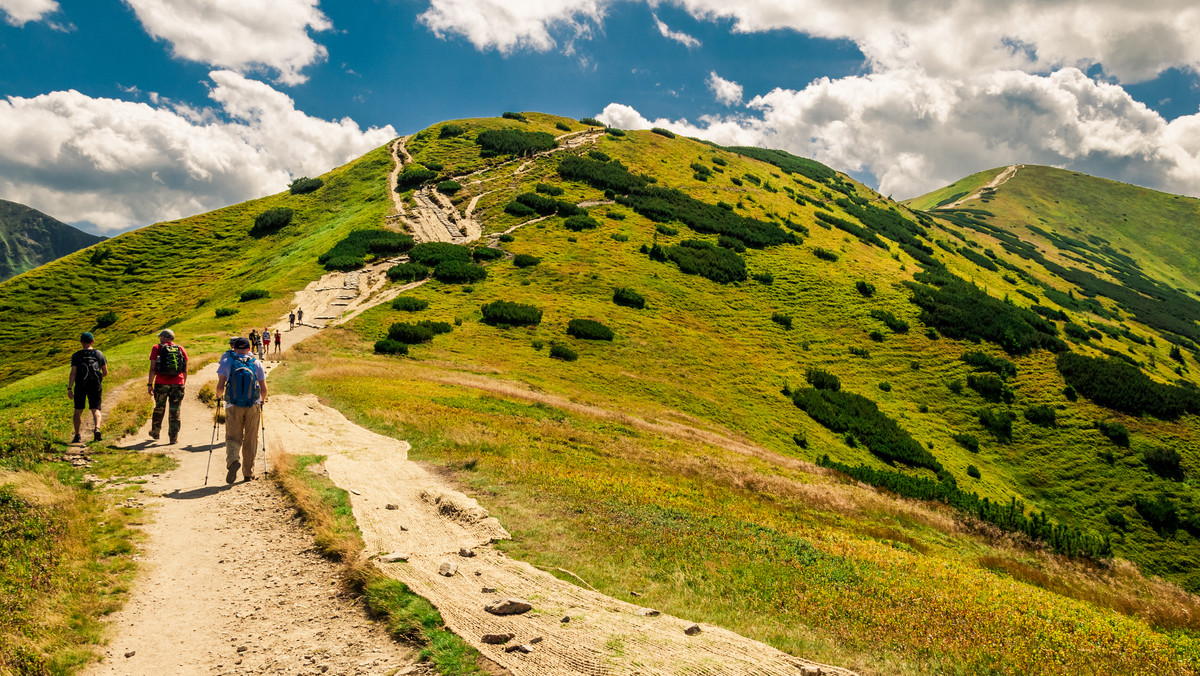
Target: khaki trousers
241,436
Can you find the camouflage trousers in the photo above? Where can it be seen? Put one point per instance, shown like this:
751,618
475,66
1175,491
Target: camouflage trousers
162,395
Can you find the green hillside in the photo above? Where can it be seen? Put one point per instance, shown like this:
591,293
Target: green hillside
789,317
29,238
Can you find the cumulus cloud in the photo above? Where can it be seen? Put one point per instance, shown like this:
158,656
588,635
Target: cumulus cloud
727,92
20,12
682,38
916,132
1133,41
242,36
507,25
120,164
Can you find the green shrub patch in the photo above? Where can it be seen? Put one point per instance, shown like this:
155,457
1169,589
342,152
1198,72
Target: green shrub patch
410,334
781,319
304,185
389,346
973,472
413,176
350,253
503,312
226,311
663,132
449,187
507,238
432,253
892,321
629,298
579,223
458,272
525,260
1041,415
822,379
824,254
1160,513
1115,431
967,441
486,253
591,122
451,130
514,142
519,210
867,289
271,220
407,272
409,304
990,387
999,423
1163,461
560,351
588,329
547,189
106,320
253,294
1123,387
509,115
696,257
844,412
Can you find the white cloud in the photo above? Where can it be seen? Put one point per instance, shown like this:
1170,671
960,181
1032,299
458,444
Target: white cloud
1134,41
121,164
727,92
916,132
19,12
507,25
682,38
239,35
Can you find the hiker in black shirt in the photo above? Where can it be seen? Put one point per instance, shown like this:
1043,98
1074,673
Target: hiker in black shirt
86,384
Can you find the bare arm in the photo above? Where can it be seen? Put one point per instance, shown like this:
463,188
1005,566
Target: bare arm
262,390
150,377
220,386
71,381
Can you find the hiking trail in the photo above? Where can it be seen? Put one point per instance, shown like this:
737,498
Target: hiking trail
996,182
231,583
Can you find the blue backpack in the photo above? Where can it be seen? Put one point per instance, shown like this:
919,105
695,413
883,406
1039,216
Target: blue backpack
242,389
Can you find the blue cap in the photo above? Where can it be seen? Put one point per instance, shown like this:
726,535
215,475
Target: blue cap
86,337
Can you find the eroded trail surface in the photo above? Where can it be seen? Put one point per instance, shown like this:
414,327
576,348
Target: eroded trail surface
230,581
438,542
1000,180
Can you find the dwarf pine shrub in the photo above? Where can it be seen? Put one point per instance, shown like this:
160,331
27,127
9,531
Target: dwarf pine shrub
967,441
389,346
1115,431
407,272
629,298
1041,415
591,122
560,351
410,334
519,210
409,304
548,189
413,176
506,237
525,260
271,220
822,379
304,185
765,278
824,254
579,223
486,253
457,272
451,130
562,126
973,472
514,142
253,294
867,289
449,187
1163,461
663,132
588,329
107,319
226,311
508,313
432,253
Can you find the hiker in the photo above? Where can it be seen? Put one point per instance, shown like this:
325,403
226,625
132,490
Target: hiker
254,340
278,340
242,382
88,368
166,379
299,315
227,354
291,320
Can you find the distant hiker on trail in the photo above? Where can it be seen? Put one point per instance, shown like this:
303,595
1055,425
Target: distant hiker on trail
300,315
86,382
242,382
255,341
291,320
227,354
278,340
166,379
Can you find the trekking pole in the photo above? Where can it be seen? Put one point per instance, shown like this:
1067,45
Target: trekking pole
262,423
212,442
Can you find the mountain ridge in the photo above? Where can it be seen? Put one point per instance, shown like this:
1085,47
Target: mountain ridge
29,238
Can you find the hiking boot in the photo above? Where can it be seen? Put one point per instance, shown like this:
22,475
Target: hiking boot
76,439
231,475
250,477
96,435
174,440
154,434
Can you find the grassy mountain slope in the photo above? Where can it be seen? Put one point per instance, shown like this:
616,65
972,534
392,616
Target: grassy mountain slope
29,238
668,461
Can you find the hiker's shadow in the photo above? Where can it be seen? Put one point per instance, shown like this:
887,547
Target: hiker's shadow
196,493
193,448
139,446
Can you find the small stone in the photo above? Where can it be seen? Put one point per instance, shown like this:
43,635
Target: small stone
496,639
633,593
565,619
692,630
509,606
650,613
392,505
536,639
324,668
518,648
403,528
393,557
809,670
242,649
488,590
355,492
468,553
238,661
131,653
448,569
478,573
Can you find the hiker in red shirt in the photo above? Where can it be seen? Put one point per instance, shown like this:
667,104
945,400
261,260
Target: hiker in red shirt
168,373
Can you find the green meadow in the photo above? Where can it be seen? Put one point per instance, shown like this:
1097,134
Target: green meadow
668,460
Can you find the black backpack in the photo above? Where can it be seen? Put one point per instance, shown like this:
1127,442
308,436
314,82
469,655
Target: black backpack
171,361
90,370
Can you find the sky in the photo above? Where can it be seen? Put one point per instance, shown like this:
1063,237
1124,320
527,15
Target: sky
115,114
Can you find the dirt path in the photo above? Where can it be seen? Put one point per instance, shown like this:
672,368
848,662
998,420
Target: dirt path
403,509
230,581
1000,180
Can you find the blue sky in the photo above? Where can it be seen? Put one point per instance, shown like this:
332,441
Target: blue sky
115,115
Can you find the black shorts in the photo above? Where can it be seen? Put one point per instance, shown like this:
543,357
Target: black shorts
92,393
